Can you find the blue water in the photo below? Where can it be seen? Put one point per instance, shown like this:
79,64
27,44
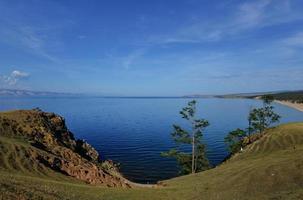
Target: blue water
134,131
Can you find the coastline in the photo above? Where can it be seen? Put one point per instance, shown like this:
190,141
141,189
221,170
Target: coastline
297,106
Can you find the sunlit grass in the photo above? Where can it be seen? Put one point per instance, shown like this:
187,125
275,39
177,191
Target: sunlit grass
272,167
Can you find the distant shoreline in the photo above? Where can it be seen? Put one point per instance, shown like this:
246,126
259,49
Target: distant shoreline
297,106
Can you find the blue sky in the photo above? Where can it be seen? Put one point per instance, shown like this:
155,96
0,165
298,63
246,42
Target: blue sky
151,48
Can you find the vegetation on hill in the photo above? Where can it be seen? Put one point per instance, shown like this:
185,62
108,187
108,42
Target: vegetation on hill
292,96
295,97
269,168
259,119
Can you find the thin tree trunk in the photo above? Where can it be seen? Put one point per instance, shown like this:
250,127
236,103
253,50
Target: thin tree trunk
193,143
249,125
262,126
249,130
263,119
193,156
196,159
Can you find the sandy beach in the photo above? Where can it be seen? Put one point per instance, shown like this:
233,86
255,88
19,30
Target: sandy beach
297,106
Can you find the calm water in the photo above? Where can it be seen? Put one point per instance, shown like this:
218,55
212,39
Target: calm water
133,131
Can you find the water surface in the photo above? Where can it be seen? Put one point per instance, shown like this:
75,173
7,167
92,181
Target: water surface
134,131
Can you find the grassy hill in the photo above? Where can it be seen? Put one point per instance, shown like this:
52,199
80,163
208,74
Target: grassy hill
292,96
296,96
270,168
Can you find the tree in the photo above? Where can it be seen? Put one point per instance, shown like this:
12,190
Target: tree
234,140
250,128
258,120
262,118
267,99
196,160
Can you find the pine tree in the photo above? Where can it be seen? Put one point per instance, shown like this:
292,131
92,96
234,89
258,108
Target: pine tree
195,161
259,119
262,118
234,140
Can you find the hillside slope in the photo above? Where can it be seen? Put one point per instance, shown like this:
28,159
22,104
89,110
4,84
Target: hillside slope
39,143
270,168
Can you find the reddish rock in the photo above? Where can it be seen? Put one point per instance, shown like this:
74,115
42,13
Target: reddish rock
58,149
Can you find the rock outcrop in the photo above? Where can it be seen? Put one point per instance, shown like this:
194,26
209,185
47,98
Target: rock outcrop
58,149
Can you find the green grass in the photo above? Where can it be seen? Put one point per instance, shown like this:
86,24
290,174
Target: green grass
271,168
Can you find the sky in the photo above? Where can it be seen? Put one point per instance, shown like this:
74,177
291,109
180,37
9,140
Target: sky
151,48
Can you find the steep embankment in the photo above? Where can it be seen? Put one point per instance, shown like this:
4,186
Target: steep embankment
270,168
39,143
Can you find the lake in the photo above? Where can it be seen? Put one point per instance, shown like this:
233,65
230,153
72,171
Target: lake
134,131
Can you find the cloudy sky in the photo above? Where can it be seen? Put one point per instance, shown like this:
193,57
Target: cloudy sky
159,47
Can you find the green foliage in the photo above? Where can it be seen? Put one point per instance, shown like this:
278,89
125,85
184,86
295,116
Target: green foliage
267,99
234,140
259,119
181,136
262,118
295,97
196,160
202,162
183,159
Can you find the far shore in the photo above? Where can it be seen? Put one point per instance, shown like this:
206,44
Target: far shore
297,106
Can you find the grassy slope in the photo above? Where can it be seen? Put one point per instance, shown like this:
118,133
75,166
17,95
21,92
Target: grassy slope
271,168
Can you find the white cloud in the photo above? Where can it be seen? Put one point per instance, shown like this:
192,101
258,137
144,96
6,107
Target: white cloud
81,37
13,78
19,74
262,13
251,14
295,40
242,18
36,39
132,57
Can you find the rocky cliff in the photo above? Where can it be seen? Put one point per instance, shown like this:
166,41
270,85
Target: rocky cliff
53,146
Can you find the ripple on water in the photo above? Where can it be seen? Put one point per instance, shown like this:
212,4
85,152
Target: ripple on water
133,131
